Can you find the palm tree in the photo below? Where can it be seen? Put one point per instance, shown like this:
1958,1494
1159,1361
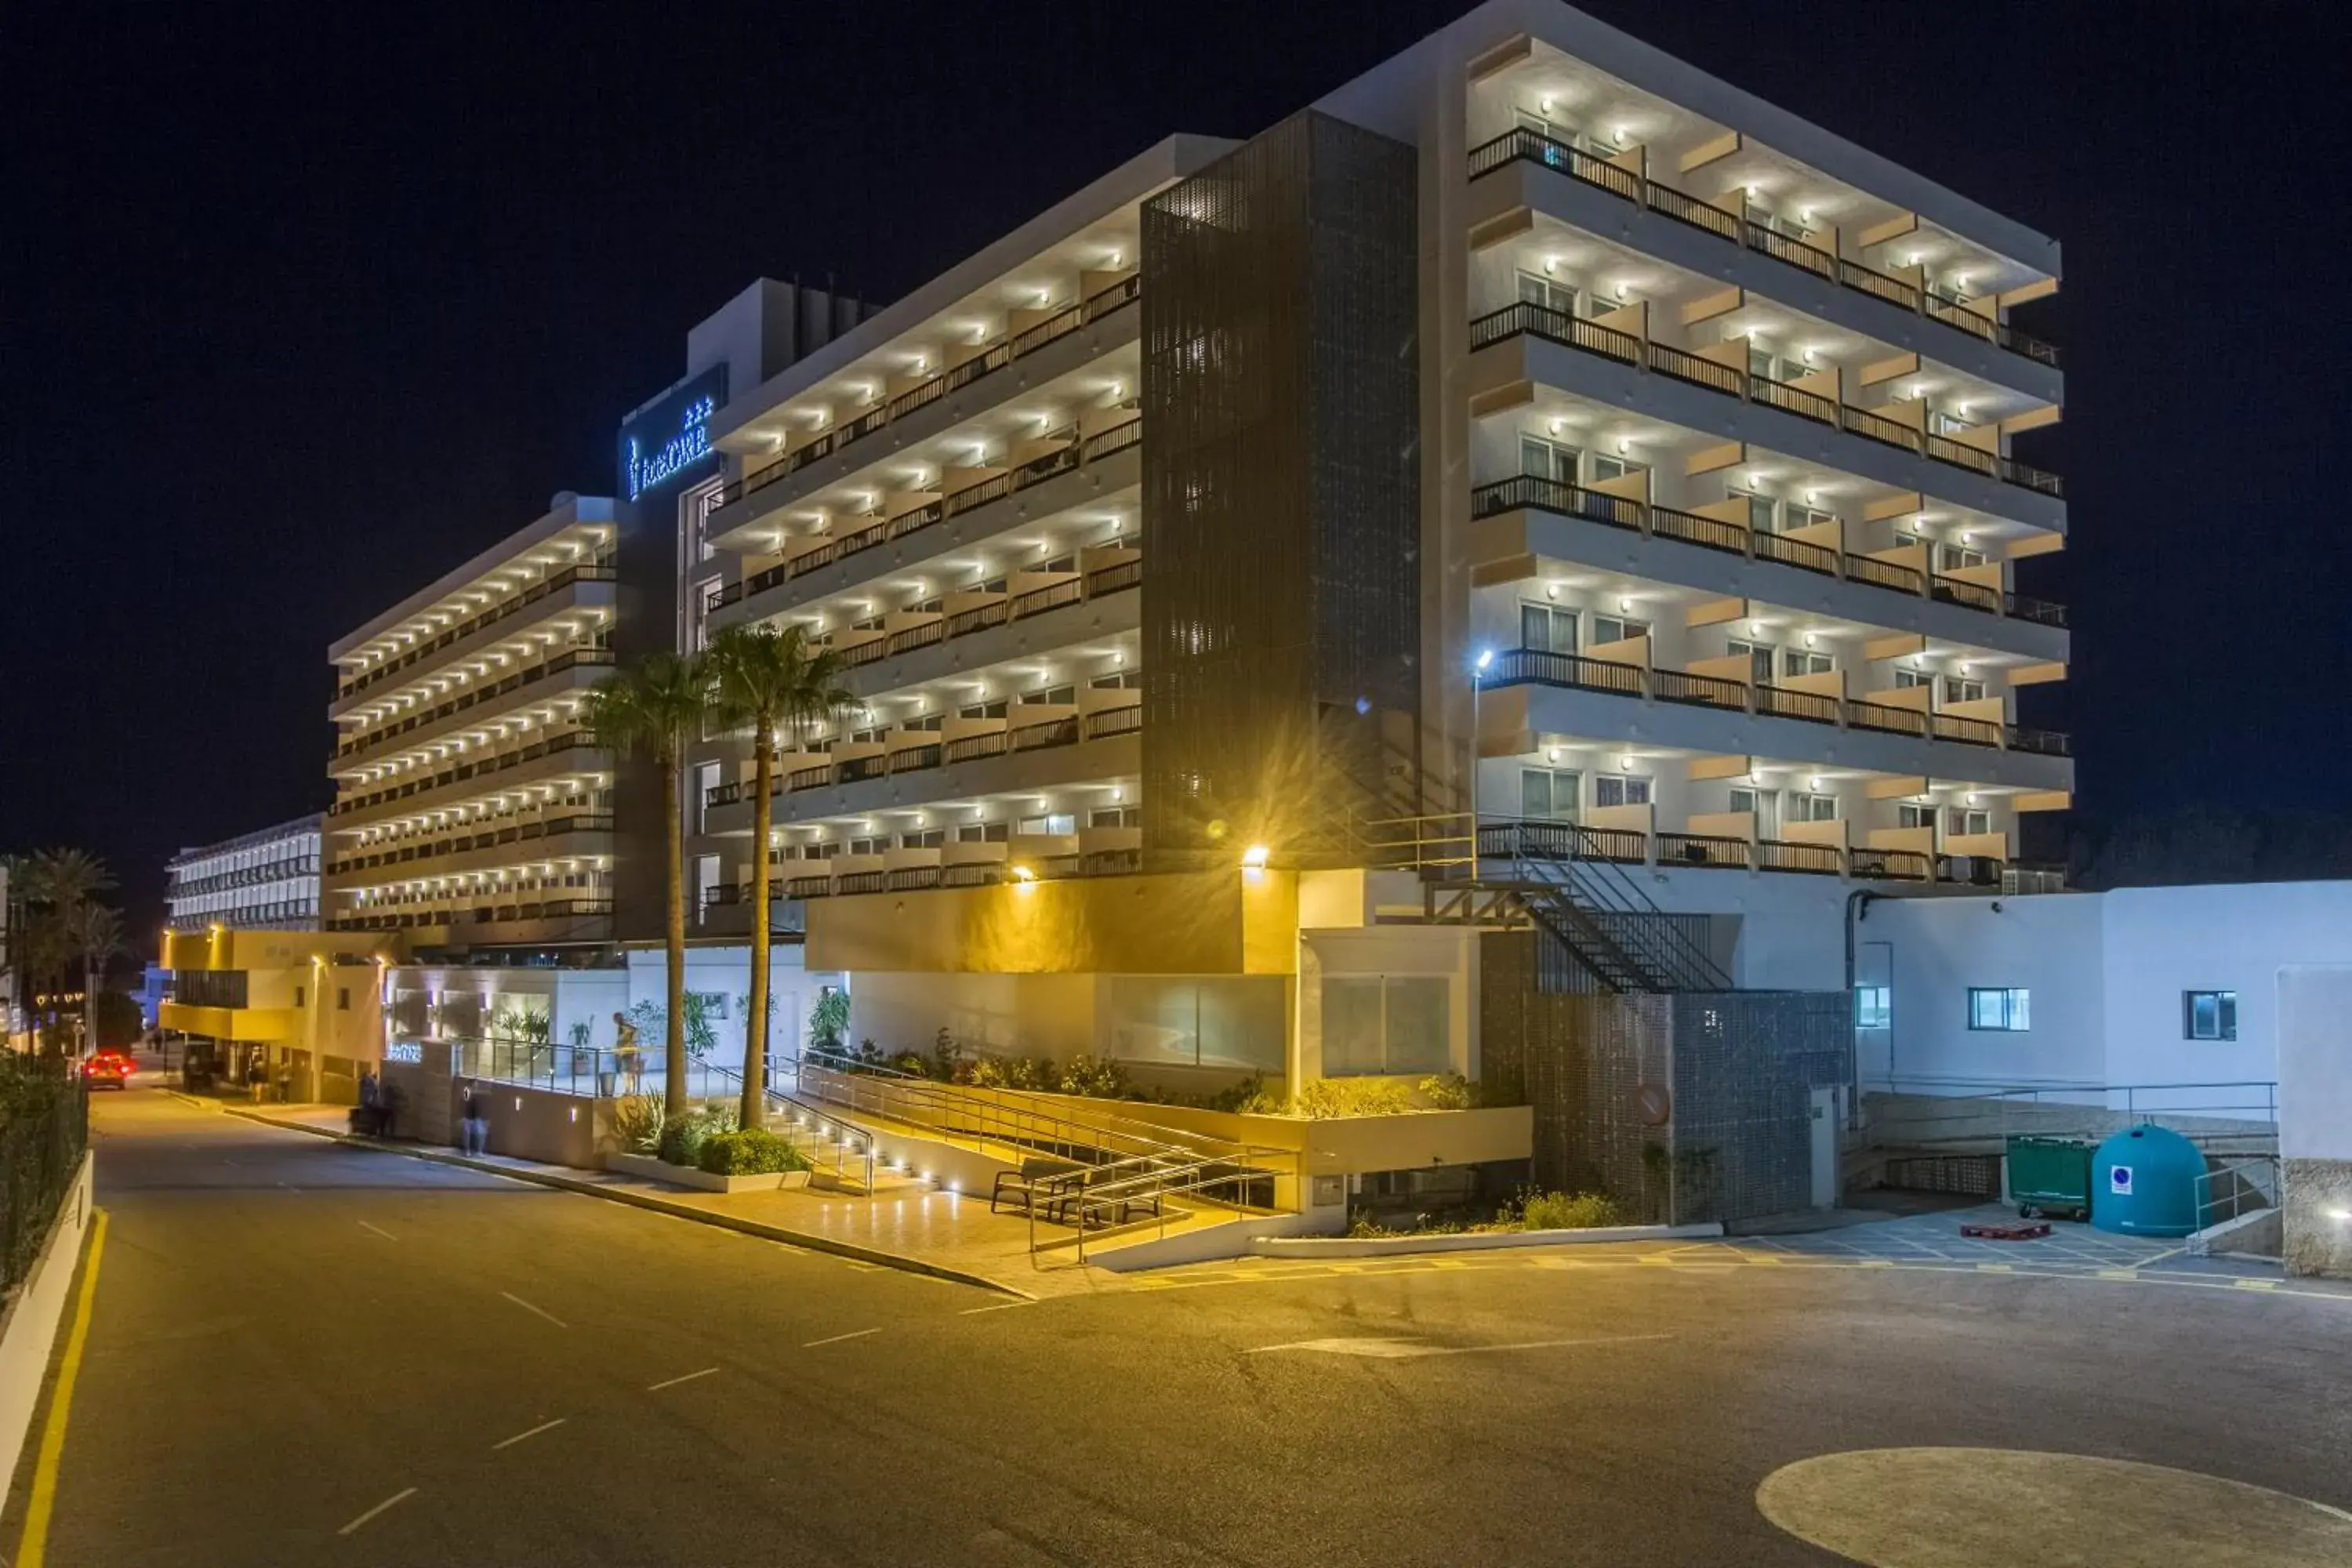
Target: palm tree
776,683
96,932
656,706
65,880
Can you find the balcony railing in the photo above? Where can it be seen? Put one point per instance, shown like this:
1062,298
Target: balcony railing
547,909
1580,672
996,487
1070,730
487,837
1556,496
1027,341
570,740
466,628
1732,381
571,658
1520,145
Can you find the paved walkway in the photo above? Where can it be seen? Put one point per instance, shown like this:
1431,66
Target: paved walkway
1935,1239
914,1226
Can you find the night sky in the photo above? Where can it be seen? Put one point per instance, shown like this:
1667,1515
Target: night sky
304,305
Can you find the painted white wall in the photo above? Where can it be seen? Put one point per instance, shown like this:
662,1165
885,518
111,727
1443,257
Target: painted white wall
2108,973
726,972
2314,1006
1940,947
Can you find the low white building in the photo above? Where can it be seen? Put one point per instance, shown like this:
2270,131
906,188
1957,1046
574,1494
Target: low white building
2139,987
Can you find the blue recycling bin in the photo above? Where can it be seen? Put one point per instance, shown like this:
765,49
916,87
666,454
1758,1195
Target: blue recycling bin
2143,1183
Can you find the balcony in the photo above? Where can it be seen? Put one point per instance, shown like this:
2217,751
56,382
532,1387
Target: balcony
473,914
1581,672
570,748
1522,146
571,658
1718,851
1736,382
504,610
1093,852
1006,352
488,836
1736,537
1080,455
907,754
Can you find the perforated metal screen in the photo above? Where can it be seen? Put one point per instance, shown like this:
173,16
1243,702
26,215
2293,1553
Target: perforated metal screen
1280,485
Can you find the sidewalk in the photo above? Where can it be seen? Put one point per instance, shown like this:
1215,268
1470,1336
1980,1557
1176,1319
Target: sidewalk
942,1234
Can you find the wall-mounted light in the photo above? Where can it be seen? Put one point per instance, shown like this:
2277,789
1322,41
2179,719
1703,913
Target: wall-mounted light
1254,857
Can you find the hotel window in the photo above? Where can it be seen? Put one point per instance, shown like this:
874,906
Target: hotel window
993,710
2209,1015
1053,824
706,779
1999,1007
1959,688
1126,681
1760,659
1812,808
1959,819
1547,795
1115,816
868,846
1608,468
1907,679
1061,696
869,624
1873,1006
1909,815
1952,557
1617,628
1384,1025
1620,789
1797,661
927,838
921,723
982,833
1809,516
1543,293
1542,460
1763,512
1547,627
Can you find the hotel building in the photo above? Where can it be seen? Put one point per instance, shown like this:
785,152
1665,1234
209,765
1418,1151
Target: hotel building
471,809
1535,425
267,879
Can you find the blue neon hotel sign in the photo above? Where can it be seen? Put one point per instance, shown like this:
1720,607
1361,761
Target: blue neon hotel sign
670,441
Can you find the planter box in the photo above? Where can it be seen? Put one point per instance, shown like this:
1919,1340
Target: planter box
652,1170
1469,1241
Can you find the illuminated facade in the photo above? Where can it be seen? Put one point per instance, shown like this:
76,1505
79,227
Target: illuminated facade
472,810
267,879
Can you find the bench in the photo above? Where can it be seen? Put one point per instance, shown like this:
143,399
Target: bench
1040,1176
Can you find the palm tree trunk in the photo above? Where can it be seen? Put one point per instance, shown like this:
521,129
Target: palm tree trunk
674,1045
89,1007
755,1028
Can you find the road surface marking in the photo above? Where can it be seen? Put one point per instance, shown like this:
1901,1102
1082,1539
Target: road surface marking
53,1435
529,1308
1000,1307
395,1498
379,1230
543,1427
854,1334
2118,1273
674,1382
2257,1284
1406,1349
1996,1269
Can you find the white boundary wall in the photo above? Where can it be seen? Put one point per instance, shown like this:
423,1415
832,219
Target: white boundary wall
28,1327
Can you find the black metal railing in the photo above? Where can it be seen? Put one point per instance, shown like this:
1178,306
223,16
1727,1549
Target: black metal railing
1520,145
505,608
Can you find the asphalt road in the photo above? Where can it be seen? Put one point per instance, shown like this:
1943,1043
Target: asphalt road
289,1334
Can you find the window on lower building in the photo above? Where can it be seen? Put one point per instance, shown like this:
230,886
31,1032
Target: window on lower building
1873,1006
1542,460
1959,820
2209,1015
2004,1007
868,846
1384,1023
1549,795
927,838
1115,816
1959,689
1912,815
1620,789
994,710
1055,824
1617,628
982,833
1797,661
1760,659
1541,291
1812,808
1547,627
1126,681
1059,696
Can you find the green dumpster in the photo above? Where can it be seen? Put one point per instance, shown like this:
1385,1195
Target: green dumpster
2049,1175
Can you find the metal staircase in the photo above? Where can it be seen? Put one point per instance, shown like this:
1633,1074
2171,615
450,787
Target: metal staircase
1557,876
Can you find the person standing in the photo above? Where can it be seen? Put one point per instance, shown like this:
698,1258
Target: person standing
626,1051
474,1131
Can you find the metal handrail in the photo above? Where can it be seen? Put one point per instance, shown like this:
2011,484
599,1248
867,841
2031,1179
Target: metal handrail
842,1135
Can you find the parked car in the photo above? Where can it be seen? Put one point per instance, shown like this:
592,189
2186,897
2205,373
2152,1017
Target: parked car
109,1069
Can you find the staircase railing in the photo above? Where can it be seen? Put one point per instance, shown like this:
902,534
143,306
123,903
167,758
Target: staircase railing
1098,1207
1565,859
819,1137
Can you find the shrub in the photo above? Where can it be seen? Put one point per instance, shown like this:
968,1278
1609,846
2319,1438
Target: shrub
1325,1098
1559,1211
828,1021
1104,1078
1449,1092
637,1122
681,1141
750,1152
